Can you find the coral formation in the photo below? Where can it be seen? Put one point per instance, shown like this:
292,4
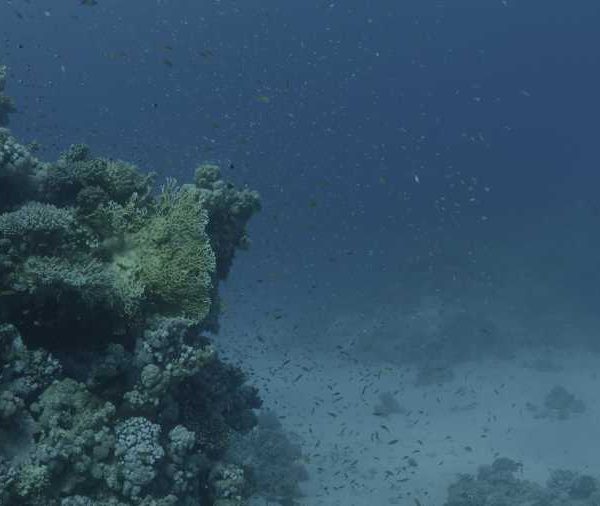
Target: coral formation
6,104
388,405
559,404
229,210
109,393
497,485
272,460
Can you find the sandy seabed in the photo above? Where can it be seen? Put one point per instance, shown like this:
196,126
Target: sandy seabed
357,458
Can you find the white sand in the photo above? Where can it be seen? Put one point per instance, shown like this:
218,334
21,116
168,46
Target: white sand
327,397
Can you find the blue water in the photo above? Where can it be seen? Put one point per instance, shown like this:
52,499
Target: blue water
328,108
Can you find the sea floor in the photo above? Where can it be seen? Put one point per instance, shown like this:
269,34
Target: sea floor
356,457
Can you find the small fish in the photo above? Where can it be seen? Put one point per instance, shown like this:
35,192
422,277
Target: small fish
263,99
89,3
393,441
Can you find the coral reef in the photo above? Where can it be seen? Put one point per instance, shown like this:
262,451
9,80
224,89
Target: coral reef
388,405
6,104
271,459
559,404
430,332
497,485
109,393
229,210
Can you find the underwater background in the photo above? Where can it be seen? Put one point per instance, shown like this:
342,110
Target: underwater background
420,293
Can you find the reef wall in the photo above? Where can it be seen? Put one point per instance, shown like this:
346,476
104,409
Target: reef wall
109,392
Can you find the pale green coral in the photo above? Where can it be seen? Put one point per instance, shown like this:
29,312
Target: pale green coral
171,255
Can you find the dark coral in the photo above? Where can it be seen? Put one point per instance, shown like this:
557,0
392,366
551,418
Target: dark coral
229,210
6,104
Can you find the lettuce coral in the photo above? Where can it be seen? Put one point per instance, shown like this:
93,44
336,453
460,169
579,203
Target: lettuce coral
171,256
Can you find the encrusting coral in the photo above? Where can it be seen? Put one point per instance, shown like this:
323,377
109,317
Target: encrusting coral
109,393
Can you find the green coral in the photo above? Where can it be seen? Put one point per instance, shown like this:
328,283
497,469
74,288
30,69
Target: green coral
85,252
171,255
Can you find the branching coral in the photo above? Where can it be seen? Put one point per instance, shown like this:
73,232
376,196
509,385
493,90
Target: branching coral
76,172
171,255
